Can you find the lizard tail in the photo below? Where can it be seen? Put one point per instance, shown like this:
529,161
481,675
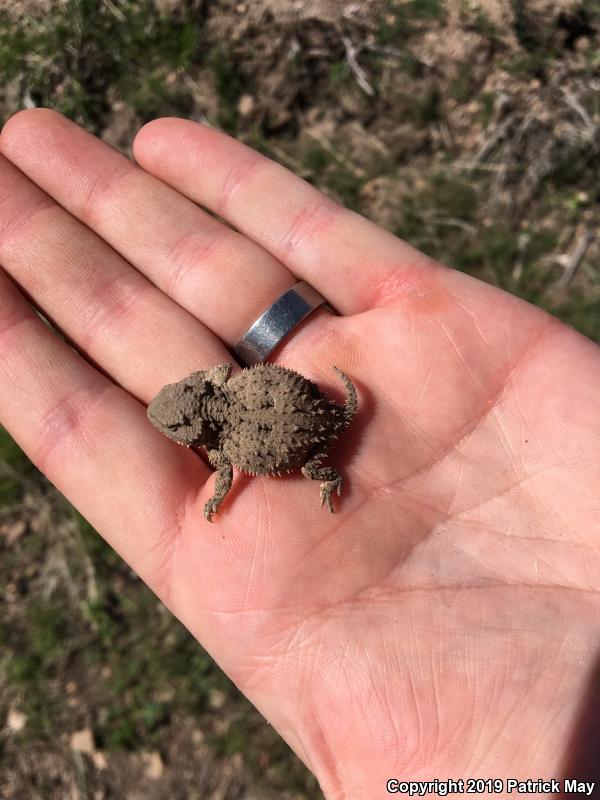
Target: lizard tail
351,403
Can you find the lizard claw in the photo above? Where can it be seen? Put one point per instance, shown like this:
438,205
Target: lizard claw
209,509
327,487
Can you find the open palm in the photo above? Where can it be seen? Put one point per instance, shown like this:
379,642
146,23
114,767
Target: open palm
444,622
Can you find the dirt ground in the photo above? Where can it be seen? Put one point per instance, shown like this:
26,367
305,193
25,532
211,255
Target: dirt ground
469,127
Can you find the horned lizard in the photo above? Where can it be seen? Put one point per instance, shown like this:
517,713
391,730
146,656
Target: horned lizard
265,420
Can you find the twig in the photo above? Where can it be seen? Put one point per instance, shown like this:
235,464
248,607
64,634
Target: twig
358,71
573,102
522,242
572,263
371,139
452,222
286,158
498,166
352,13
395,53
526,122
335,153
115,11
294,49
446,135
498,134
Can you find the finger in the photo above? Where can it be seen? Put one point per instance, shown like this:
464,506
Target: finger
353,262
216,273
93,441
114,315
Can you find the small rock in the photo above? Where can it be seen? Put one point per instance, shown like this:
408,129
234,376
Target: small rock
237,761
246,105
197,736
83,741
216,698
99,760
13,530
153,765
16,720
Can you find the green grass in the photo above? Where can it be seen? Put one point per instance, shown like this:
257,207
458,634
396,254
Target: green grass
38,645
338,74
71,57
532,37
229,85
425,106
10,491
398,20
15,470
34,654
478,20
487,102
462,87
426,9
527,65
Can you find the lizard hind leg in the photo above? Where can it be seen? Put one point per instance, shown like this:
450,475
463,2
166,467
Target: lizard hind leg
330,478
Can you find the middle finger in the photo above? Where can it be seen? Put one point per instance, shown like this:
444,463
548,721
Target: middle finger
217,274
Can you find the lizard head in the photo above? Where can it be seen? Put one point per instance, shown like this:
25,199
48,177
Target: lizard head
179,410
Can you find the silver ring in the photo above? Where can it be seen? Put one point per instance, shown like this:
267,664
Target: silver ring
277,322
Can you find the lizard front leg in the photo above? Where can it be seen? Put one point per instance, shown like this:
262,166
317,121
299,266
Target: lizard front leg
222,485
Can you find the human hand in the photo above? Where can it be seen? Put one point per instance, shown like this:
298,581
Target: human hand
444,622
